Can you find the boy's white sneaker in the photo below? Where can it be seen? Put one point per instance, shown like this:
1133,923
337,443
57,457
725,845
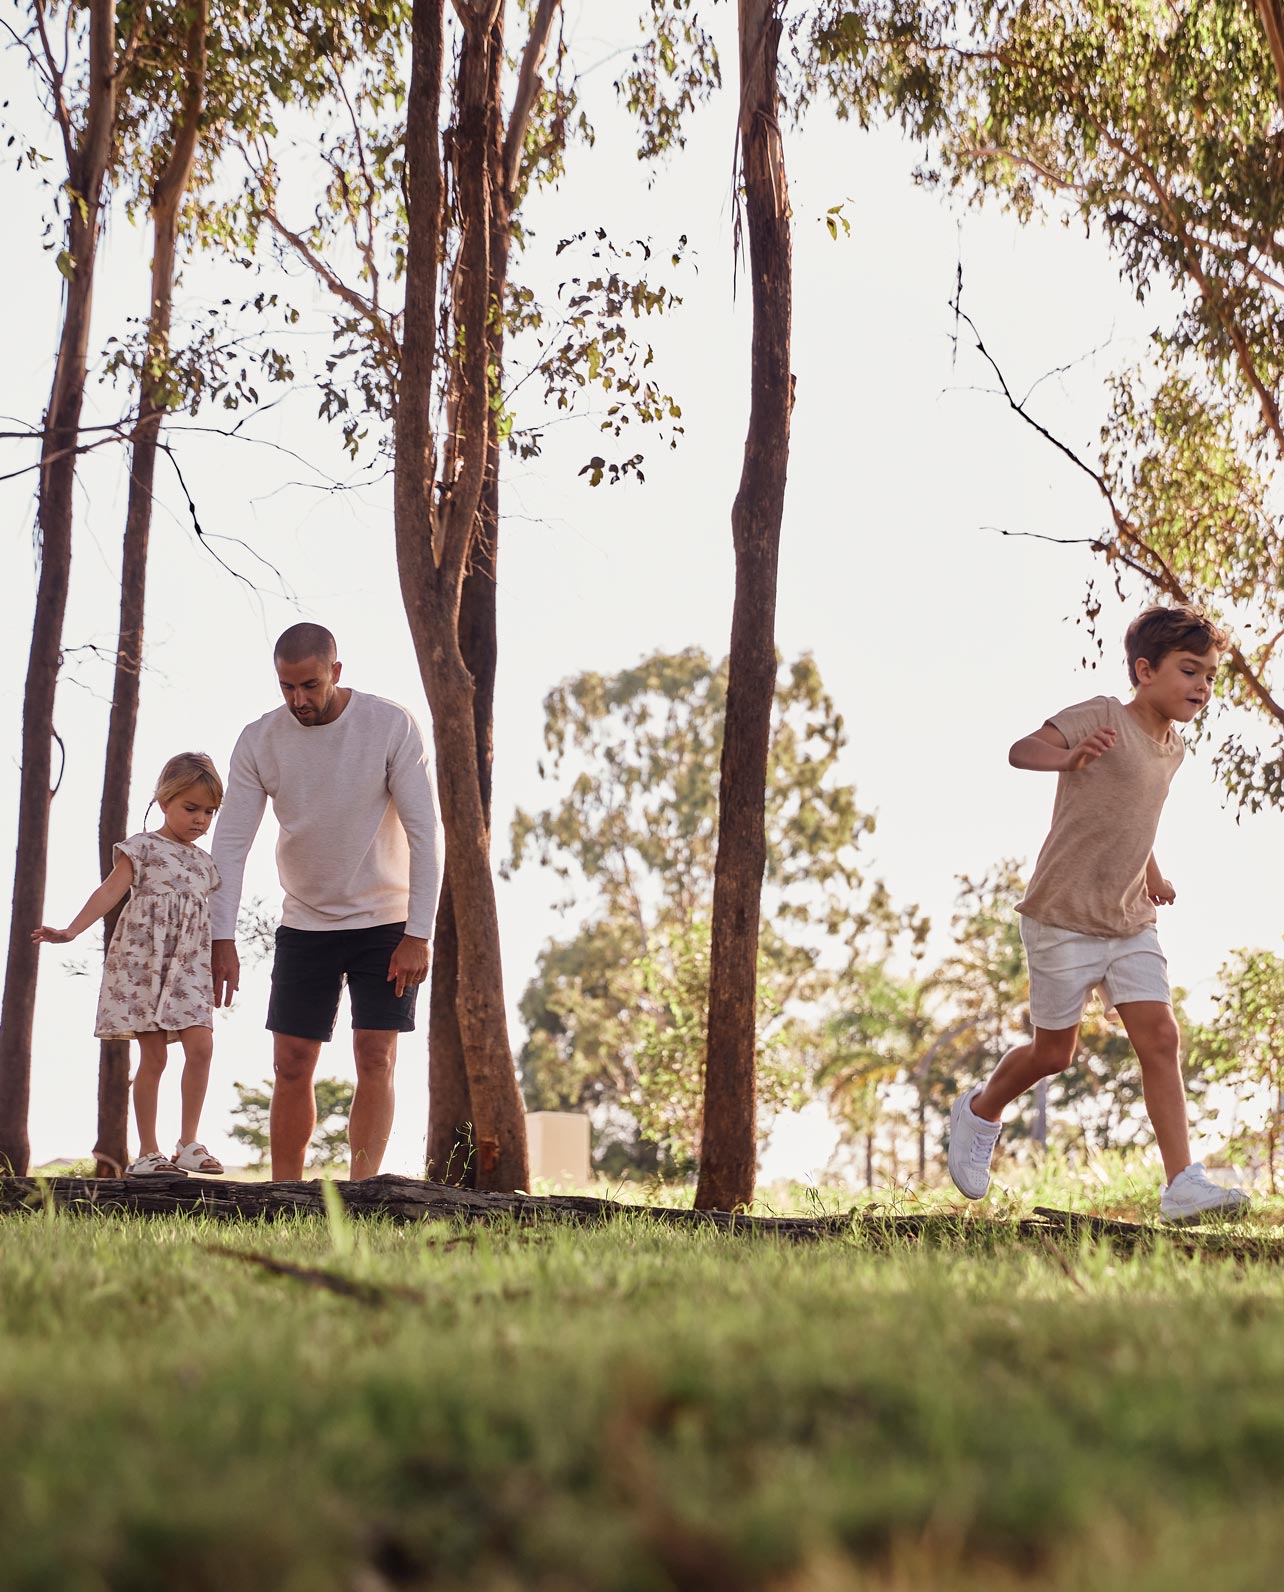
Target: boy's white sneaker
1192,1195
972,1141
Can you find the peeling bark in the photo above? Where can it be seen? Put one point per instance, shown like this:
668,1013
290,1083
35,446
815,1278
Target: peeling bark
435,533
451,1130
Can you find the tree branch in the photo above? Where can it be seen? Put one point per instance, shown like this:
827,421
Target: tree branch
529,85
55,78
1272,15
1159,573
336,285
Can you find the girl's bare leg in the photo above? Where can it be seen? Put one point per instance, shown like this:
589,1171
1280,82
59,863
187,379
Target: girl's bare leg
151,1064
198,1051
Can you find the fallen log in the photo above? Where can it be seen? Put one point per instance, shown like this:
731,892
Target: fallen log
404,1199
408,1199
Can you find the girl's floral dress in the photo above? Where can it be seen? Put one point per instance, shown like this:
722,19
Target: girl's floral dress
157,972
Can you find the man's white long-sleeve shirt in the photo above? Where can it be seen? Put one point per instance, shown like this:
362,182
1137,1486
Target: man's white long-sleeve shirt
359,841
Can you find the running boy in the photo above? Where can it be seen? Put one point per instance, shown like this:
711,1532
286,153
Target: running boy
1088,917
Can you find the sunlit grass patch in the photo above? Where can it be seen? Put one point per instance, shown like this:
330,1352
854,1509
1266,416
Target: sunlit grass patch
622,1407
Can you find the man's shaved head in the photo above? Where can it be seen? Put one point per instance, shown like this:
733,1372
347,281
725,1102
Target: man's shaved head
301,642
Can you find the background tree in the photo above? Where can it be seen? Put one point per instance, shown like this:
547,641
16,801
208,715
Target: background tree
173,154
328,1146
510,129
1242,1048
884,1032
612,1013
209,83
728,1154
81,87
1158,127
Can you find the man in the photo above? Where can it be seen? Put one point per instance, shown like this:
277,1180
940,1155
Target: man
358,858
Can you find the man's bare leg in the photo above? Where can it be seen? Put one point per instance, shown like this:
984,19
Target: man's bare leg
294,1103
370,1124
1155,1037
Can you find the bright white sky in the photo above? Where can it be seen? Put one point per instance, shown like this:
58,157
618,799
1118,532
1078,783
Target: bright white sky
940,640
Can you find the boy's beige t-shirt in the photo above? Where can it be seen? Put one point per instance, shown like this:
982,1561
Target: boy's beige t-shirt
1091,872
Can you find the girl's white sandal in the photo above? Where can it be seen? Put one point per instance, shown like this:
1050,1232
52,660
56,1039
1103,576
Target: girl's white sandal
196,1158
154,1164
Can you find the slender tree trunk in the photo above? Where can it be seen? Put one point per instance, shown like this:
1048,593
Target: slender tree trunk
922,1138
450,1105
435,532
87,166
869,1160
728,1150
450,1110
111,1148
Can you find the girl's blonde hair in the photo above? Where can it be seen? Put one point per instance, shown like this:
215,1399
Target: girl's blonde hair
189,768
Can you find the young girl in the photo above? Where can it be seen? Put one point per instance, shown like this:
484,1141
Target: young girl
157,985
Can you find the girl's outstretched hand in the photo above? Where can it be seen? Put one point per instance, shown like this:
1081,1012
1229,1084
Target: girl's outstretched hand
47,936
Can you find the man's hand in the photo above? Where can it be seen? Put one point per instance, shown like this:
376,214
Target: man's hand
1161,892
1088,750
226,967
409,964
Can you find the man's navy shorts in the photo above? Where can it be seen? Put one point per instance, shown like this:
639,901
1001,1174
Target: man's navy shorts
311,967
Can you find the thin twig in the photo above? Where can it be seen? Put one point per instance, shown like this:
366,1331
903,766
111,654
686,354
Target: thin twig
366,1293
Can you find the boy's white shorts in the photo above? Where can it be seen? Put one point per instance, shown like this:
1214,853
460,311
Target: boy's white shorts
1065,968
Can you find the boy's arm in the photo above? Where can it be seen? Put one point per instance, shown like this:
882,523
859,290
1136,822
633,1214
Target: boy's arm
109,892
1048,751
1158,889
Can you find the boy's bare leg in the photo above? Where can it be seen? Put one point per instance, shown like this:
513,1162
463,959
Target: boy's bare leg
198,1052
151,1064
294,1103
1152,1030
370,1124
1050,1051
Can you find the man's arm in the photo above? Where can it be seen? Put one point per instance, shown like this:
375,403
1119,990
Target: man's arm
1048,751
410,786
244,801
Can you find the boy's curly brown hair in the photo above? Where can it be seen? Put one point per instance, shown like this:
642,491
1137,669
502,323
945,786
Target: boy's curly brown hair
1157,631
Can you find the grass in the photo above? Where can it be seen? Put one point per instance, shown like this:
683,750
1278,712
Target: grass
625,1408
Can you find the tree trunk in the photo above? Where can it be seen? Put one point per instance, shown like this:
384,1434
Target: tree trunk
87,165
450,1109
450,1106
111,1148
449,1101
435,533
922,1137
869,1160
728,1150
